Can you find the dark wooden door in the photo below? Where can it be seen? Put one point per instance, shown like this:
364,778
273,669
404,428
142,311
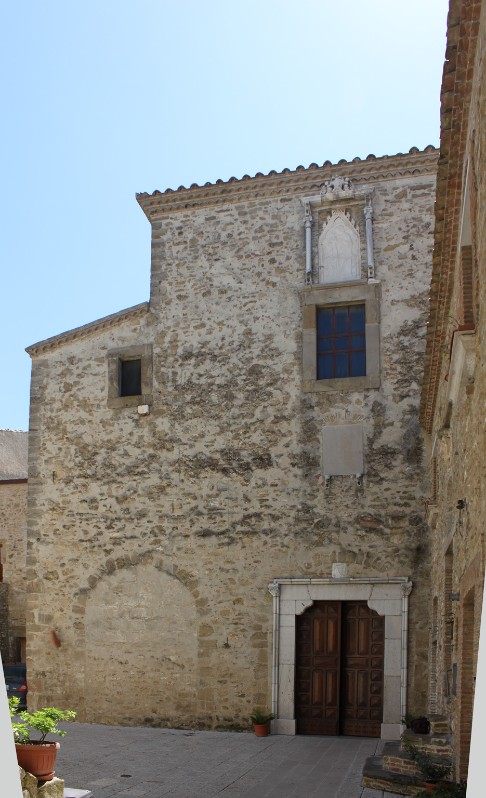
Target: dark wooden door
363,650
318,645
339,669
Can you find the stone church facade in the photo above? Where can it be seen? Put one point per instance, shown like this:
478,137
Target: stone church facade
228,480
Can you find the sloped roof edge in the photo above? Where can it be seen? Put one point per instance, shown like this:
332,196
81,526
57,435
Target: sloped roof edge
87,329
301,177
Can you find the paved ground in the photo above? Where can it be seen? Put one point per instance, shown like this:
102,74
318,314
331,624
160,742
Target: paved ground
154,763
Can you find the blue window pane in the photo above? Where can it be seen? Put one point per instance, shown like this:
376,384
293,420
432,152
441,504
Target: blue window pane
325,344
324,367
324,321
341,319
357,342
357,318
342,365
358,364
341,342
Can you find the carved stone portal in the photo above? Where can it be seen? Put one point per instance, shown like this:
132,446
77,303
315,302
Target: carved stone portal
339,250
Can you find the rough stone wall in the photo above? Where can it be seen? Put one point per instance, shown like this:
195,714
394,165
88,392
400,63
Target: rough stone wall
152,538
13,537
458,432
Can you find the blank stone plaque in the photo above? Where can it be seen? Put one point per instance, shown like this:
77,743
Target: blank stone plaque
342,450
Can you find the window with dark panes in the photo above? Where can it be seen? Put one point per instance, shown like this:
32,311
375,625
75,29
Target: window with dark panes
131,377
341,345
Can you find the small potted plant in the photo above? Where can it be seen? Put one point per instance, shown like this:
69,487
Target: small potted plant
37,756
420,725
261,722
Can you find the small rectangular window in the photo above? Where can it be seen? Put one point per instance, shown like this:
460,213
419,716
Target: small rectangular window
341,343
131,377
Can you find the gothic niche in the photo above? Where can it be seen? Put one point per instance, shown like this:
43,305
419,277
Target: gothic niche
339,250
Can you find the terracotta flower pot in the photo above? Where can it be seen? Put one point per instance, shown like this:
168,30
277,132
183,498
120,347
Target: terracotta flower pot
261,729
38,758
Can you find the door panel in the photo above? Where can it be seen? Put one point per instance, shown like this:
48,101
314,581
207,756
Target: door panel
339,669
317,669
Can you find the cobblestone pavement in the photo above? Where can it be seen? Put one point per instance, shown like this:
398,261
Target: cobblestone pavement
154,763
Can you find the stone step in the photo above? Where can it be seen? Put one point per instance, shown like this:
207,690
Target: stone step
375,777
439,724
434,744
397,761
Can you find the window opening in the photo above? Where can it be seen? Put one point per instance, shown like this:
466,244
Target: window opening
131,377
341,343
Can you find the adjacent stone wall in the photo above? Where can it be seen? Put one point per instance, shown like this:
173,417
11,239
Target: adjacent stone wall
152,538
13,537
457,440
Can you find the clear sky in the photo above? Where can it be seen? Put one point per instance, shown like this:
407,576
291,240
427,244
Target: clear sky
105,98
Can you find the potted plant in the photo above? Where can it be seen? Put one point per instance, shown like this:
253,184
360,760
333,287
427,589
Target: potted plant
420,725
37,756
261,722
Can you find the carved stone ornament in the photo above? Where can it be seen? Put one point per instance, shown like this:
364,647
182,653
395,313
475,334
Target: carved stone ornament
274,589
339,570
336,184
339,250
340,416
406,588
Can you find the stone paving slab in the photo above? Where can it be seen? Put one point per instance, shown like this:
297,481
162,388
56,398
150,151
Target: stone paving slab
129,762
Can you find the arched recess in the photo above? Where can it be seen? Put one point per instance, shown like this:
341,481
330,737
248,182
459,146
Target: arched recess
447,625
433,658
339,250
141,647
466,685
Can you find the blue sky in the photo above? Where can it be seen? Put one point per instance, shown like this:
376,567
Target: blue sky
104,99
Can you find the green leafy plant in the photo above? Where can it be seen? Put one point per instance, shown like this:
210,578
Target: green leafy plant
259,718
407,719
432,770
448,789
43,721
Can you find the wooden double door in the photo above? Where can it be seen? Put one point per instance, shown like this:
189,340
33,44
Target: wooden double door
340,648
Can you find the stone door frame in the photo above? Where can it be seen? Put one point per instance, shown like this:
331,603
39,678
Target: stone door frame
387,596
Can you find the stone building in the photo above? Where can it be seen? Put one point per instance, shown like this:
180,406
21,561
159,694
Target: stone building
453,399
13,543
226,483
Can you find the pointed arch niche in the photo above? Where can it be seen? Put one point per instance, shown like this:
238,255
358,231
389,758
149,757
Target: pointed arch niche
387,596
339,249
